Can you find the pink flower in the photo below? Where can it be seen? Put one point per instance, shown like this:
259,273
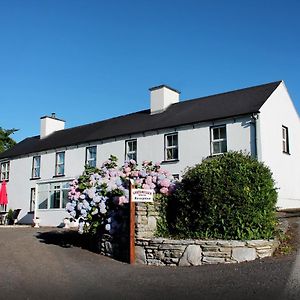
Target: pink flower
165,182
164,191
146,186
148,180
135,173
145,163
127,170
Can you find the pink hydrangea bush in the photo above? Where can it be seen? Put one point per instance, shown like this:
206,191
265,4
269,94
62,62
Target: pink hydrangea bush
99,198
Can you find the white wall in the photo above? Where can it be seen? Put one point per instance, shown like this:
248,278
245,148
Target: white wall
194,145
279,111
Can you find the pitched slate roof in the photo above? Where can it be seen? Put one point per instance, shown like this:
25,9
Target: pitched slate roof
219,106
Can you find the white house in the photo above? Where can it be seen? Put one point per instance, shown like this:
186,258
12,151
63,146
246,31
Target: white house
260,120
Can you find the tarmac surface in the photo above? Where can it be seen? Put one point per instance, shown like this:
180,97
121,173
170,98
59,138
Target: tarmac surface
48,263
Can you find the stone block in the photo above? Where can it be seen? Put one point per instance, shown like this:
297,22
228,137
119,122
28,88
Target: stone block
217,254
243,254
209,248
192,256
259,243
231,243
152,223
140,256
213,260
155,262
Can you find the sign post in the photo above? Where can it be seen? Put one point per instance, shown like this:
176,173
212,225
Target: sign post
136,195
131,227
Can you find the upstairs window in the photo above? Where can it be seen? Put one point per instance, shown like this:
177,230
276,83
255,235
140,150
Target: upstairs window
131,150
91,156
171,146
285,140
60,164
218,140
36,167
4,171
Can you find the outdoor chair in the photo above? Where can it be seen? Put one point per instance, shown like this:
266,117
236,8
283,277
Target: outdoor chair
15,215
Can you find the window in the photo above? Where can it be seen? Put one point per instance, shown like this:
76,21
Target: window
218,140
4,171
32,199
171,146
131,150
36,167
285,140
90,156
53,195
176,176
60,164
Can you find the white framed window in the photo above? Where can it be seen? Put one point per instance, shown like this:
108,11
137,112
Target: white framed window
4,171
285,140
91,156
171,146
131,150
53,195
36,167
60,164
218,140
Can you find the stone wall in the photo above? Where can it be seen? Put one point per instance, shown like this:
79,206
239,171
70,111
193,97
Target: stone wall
160,251
167,252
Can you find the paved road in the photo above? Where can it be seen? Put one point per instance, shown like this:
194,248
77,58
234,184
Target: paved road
47,264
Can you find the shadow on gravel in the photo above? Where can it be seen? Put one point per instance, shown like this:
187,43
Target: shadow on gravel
66,239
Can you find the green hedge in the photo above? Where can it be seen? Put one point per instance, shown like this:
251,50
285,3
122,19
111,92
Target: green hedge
230,196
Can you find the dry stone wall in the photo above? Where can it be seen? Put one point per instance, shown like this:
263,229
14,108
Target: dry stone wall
168,252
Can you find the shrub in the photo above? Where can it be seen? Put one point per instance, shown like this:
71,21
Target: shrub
231,196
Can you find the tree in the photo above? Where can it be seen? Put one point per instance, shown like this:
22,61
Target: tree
6,141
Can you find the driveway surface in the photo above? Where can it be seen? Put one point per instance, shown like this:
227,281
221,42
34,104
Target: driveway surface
48,263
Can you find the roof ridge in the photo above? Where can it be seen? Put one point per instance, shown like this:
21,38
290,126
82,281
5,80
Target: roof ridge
232,91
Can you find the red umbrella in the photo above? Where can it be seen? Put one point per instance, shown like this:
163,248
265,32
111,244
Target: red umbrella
3,194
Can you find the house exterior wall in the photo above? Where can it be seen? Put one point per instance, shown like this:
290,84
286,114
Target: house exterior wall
279,111
194,145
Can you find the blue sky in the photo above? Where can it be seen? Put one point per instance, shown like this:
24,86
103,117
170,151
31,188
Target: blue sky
91,60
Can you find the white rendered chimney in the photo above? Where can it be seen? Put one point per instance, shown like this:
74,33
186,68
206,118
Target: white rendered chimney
161,97
50,125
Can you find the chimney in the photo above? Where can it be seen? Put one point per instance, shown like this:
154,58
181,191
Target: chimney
50,125
161,97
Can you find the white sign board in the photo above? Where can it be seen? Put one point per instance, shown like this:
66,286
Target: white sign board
141,195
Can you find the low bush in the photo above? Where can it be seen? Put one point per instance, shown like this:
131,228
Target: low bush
230,196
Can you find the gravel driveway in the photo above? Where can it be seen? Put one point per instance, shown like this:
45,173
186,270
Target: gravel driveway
48,263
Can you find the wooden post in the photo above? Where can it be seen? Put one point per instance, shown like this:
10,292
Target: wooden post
131,228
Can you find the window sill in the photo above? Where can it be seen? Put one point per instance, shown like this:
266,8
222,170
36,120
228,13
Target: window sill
56,176
286,153
6,180
170,161
35,178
